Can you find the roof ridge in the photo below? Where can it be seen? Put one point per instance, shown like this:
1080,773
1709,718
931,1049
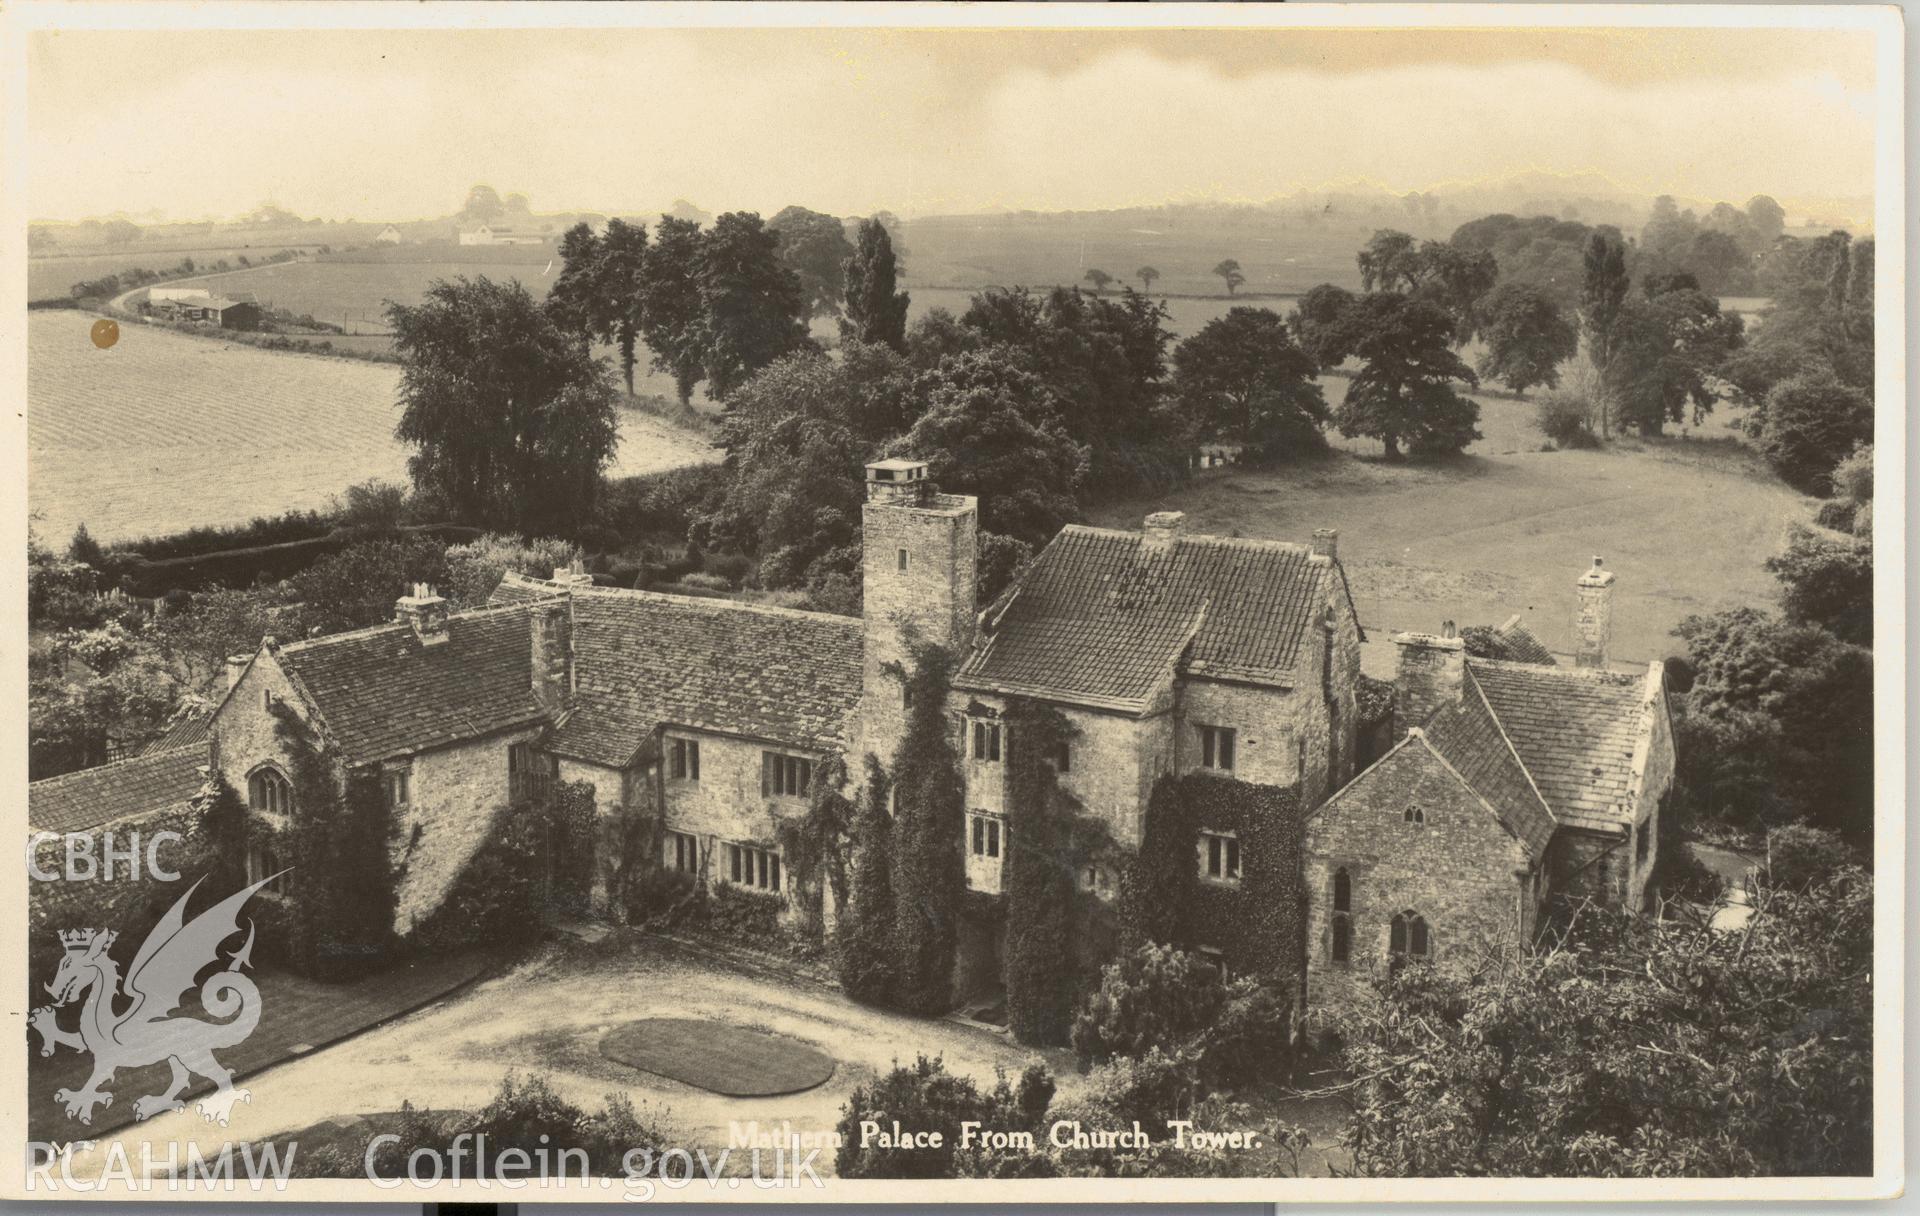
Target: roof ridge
1593,675
1185,538
367,631
1479,795
716,602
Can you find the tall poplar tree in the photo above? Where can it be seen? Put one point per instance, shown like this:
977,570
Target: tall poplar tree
875,312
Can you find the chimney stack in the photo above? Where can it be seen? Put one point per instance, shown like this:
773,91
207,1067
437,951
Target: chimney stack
551,634
898,481
426,613
1326,543
573,574
1432,673
1162,529
1593,617
237,667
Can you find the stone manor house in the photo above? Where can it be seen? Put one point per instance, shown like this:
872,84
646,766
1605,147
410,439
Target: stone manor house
1499,782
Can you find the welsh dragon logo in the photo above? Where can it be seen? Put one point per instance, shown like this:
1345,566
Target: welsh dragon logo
144,1032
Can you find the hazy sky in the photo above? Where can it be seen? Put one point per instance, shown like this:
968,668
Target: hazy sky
387,125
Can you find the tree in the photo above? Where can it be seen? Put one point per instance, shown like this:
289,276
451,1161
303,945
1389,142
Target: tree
1229,272
673,316
511,420
1527,337
121,232
1404,391
1391,261
1827,580
483,205
1242,377
1811,423
990,430
1099,278
1775,723
929,878
755,307
1147,275
815,248
1318,323
1768,217
1668,344
474,569
600,290
1603,294
1745,1053
357,586
874,311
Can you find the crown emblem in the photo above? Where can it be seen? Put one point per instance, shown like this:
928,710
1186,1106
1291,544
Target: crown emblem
81,939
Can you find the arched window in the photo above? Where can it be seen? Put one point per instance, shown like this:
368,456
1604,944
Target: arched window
1342,916
269,790
1410,940
1415,815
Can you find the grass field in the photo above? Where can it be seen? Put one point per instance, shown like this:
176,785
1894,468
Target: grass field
1685,522
163,431
54,277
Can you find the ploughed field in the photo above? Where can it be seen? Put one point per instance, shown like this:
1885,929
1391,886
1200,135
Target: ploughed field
163,431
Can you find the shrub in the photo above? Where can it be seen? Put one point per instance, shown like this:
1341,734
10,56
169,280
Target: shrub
864,947
925,1097
374,505
1154,996
1002,558
1799,856
1564,416
1837,514
1813,422
529,1116
1827,581
1251,1039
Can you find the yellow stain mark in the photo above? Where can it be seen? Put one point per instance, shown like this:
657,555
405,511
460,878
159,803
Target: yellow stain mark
105,333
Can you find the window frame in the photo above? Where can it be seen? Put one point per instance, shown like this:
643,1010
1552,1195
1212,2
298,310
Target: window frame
1219,747
1405,928
986,835
1414,815
1221,860
683,759
261,861
271,780
755,868
987,741
402,777
783,775
686,852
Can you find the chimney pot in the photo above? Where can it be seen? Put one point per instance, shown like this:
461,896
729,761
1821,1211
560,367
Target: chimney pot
426,613
898,480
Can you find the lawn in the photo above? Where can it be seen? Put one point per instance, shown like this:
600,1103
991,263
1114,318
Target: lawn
1685,522
165,431
718,1056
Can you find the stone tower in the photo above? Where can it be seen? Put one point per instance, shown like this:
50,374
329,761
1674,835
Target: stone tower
1593,618
918,580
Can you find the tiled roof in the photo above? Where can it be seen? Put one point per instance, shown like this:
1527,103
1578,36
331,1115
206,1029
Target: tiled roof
1521,646
1099,618
644,660
381,693
1467,736
1575,730
517,588
92,797
188,729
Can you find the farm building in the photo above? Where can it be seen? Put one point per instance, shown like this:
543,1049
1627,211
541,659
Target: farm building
493,234
389,236
216,312
1225,668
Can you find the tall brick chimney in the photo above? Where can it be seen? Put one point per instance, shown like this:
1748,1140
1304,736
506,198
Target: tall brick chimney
1162,529
1432,672
1593,617
551,634
426,612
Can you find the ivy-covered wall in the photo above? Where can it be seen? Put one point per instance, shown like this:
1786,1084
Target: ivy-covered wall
1257,925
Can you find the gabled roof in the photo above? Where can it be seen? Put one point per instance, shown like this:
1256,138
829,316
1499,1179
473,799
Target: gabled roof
189,728
1514,641
1101,618
94,797
1469,738
1576,731
644,660
380,693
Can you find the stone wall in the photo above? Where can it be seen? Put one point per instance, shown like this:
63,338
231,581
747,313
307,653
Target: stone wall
1460,870
456,792
725,805
1593,865
1653,765
244,730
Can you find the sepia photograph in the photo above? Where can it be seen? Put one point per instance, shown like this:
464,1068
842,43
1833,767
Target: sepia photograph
795,603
